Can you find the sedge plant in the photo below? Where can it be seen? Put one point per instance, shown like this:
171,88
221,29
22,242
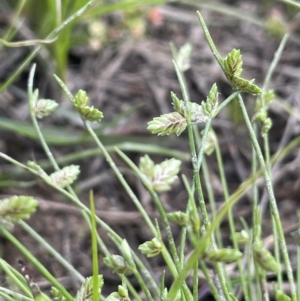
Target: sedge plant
199,228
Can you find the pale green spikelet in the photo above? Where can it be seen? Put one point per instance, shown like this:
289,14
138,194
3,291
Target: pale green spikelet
233,68
211,102
223,255
183,57
85,293
262,103
197,114
44,107
245,85
151,248
165,174
81,99
117,264
180,218
233,64
120,295
264,258
260,115
210,143
65,176
35,95
160,176
242,238
89,113
166,124
177,104
17,208
276,26
126,252
268,97
267,125
281,296
57,295
146,166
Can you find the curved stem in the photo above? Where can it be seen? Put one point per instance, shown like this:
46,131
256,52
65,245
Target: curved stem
196,163
36,263
273,204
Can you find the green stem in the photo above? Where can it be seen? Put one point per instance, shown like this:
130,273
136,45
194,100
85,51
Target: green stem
101,223
195,282
268,76
274,63
223,104
210,42
211,198
273,205
94,248
9,295
15,277
53,34
255,197
196,161
126,146
51,251
128,258
170,238
127,188
165,221
231,220
201,246
167,227
143,285
210,281
121,178
133,291
36,263
298,261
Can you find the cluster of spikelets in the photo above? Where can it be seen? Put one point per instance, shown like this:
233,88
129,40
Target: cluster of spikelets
156,177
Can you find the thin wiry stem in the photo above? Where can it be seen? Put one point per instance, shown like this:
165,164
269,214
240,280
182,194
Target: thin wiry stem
272,199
